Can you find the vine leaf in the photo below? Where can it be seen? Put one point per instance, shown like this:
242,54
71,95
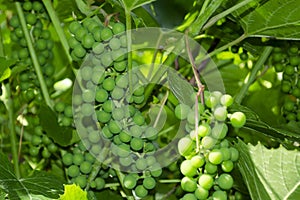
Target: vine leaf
5,71
180,88
83,7
273,18
270,174
132,4
49,122
38,186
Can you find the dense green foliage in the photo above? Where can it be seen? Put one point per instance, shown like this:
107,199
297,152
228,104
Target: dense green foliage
95,104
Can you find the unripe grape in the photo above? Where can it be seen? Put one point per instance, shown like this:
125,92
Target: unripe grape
220,113
238,119
81,181
219,195
225,181
215,157
73,171
188,169
197,161
226,100
188,184
227,166
204,130
206,181
129,181
185,146
219,131
140,191
85,167
201,193
189,196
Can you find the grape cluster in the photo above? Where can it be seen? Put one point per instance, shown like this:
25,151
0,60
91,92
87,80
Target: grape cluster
109,94
65,113
40,146
209,157
27,84
37,21
286,60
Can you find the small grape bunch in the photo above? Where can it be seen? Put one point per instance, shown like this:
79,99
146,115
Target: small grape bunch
65,112
286,60
36,19
209,156
40,145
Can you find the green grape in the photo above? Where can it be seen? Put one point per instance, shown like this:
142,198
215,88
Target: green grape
73,171
115,127
118,114
118,28
279,67
106,34
109,84
211,168
226,100
234,49
204,130
108,106
37,6
138,119
206,181
294,60
101,95
67,159
89,157
79,51
94,137
123,40
88,96
38,130
136,130
122,81
219,195
80,33
208,142
125,161
141,164
234,154
150,160
106,132
120,66
138,99
188,169
36,140
197,161
114,44
46,34
225,181
31,19
185,146
139,91
23,53
219,131
238,119
181,111
151,133
220,113
117,140
81,181
189,196
46,140
136,144
86,73
85,167
34,151
88,41
52,148
46,153
119,55
78,158
289,70
289,106
188,184
96,149
225,152
140,191
244,56
286,86
130,181
296,92
201,193
98,47
19,32
117,93
227,166
14,21
96,31
41,44
124,137
100,183
87,109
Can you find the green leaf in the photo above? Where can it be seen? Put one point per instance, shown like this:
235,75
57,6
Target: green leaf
180,88
60,135
83,7
5,71
39,184
270,174
273,18
132,4
73,192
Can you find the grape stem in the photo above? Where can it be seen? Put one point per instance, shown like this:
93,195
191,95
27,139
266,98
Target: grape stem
128,33
33,55
260,62
200,89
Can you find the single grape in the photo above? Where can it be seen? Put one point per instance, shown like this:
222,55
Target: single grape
188,169
79,51
197,161
115,127
226,100
215,157
219,131
188,184
141,164
201,193
206,181
140,191
234,154
211,168
85,167
34,151
101,95
208,142
204,130
100,183
106,34
189,196
185,146
130,181
88,41
37,6
114,44
81,181
109,84
227,166
118,28
52,148
73,171
220,113
219,195
78,158
238,119
31,19
225,181
136,144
